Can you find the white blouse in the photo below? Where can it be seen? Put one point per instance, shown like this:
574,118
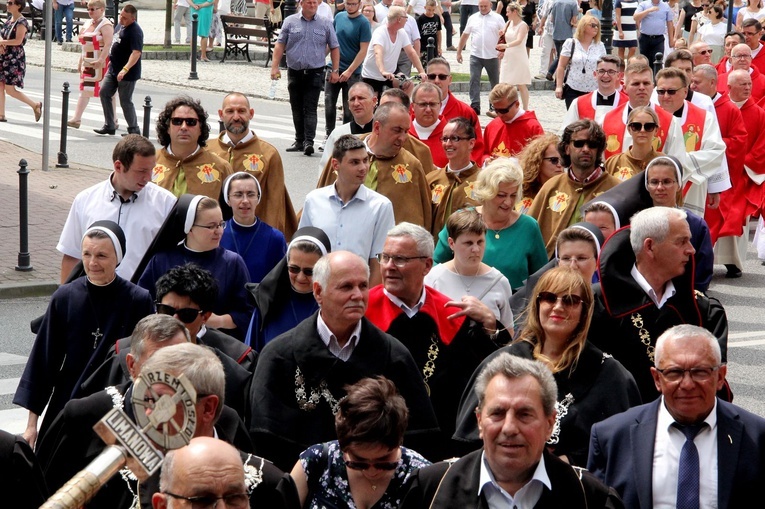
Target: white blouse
582,64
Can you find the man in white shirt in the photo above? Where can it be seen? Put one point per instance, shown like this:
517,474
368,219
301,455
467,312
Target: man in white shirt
412,30
647,453
484,26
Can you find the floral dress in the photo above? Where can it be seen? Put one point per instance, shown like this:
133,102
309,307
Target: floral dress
14,59
328,486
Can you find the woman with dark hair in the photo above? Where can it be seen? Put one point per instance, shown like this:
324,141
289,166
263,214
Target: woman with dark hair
366,466
13,36
285,296
260,245
192,233
592,385
84,319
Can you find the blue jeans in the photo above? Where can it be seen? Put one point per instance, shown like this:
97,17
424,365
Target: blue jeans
465,12
68,11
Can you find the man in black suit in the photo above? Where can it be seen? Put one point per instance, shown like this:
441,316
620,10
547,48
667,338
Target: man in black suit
516,415
641,452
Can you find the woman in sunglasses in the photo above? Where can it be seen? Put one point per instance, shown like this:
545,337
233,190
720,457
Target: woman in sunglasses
366,466
96,41
260,245
540,161
192,233
713,33
592,385
643,125
83,320
285,296
514,244
13,36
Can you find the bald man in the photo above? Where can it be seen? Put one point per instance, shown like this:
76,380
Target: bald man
741,58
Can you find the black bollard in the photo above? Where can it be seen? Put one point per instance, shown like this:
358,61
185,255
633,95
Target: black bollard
24,264
431,48
63,160
146,116
658,63
194,25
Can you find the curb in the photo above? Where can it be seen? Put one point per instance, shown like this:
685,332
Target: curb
27,289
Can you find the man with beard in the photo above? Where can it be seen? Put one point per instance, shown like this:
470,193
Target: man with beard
242,148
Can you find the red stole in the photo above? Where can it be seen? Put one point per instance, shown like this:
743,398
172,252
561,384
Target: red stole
381,311
693,128
614,127
587,110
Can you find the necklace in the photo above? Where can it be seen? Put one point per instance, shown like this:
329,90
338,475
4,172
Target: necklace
97,334
472,278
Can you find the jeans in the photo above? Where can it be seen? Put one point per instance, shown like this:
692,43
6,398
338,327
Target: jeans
465,12
110,86
448,27
68,11
331,93
182,13
554,65
304,88
650,45
476,66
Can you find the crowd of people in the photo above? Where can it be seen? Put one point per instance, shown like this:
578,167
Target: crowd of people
457,313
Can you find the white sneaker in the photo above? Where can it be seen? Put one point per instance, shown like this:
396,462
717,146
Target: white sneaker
321,145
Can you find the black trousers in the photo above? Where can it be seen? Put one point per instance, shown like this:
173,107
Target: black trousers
304,87
650,45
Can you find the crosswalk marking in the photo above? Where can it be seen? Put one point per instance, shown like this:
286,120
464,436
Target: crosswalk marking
9,359
8,385
14,420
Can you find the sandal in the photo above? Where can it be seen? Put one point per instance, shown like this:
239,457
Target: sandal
38,111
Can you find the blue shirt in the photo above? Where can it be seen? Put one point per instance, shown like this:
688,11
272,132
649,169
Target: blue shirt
562,12
351,32
359,226
656,22
305,41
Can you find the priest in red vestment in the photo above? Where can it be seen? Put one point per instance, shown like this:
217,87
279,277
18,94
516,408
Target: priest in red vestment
513,128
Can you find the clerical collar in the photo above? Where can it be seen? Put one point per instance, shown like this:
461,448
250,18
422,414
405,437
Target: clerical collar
115,194
717,96
597,172
361,128
250,135
457,172
755,51
605,100
443,104
423,132
170,151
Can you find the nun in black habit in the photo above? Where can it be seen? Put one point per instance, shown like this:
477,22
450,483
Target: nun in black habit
84,319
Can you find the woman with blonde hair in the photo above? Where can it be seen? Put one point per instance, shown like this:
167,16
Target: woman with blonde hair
514,66
540,161
592,385
579,57
514,244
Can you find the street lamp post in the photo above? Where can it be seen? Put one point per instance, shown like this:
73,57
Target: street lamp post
607,24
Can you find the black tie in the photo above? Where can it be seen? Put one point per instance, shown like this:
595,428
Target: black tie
688,470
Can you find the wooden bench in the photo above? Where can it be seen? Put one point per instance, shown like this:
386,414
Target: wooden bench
242,31
30,13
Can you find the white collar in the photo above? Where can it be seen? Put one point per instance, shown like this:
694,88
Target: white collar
409,311
669,288
250,135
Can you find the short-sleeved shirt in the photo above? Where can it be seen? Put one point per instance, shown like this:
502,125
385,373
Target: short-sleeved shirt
484,33
328,478
305,41
351,32
140,219
359,226
391,52
126,40
561,12
656,22
429,27
582,64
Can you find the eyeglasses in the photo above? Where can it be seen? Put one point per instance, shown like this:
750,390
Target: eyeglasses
454,139
92,9
212,227
294,269
567,300
363,465
593,145
594,25
704,52
570,260
610,72
741,57
432,106
667,91
554,160
502,111
178,121
675,375
442,77
648,127
186,315
751,34
234,501
665,182
252,195
398,261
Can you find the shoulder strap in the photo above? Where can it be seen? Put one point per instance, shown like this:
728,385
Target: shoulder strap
493,282
451,462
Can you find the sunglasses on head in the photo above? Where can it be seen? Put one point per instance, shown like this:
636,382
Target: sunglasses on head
442,77
363,465
178,121
593,145
551,298
186,315
294,269
648,127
